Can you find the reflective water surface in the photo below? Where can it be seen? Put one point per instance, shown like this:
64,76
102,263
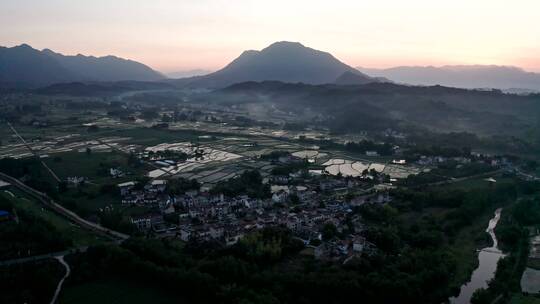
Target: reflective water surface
487,258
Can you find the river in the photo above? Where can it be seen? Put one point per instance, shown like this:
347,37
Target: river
487,265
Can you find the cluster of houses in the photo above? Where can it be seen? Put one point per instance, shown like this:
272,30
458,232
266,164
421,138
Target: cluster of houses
206,216
116,173
434,160
150,194
344,249
77,181
228,220
475,157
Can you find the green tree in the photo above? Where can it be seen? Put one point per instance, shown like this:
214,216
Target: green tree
329,231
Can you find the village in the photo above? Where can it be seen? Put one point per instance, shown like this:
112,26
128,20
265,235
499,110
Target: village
306,210
318,206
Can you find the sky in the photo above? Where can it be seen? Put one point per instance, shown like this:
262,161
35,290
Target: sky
176,35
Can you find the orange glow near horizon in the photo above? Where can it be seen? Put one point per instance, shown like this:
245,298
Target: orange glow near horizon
207,34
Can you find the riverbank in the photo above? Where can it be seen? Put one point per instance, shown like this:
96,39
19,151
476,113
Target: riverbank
487,265
513,234
465,249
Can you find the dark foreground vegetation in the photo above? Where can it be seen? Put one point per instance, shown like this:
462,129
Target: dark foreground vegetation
263,268
32,282
420,238
414,262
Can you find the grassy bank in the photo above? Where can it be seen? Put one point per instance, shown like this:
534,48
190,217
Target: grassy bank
78,235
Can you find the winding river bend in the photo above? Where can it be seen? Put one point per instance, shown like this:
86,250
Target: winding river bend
487,258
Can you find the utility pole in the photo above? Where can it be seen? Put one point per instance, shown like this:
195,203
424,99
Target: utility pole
36,155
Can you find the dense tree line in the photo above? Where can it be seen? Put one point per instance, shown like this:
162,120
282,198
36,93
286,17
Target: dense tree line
465,205
274,155
19,167
433,150
444,172
367,145
32,282
265,268
286,169
180,185
33,172
116,220
249,182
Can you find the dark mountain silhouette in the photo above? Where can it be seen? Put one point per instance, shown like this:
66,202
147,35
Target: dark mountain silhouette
282,61
356,78
23,66
463,76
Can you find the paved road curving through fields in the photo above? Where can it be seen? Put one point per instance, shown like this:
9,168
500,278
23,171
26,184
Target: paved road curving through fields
59,287
70,215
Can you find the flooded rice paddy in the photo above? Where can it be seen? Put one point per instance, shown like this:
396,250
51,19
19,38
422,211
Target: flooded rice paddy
354,168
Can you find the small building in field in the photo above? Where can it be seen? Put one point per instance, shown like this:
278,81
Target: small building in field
143,223
372,153
4,184
126,187
5,216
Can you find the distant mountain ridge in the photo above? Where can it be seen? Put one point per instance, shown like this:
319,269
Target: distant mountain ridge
188,73
25,67
283,61
461,76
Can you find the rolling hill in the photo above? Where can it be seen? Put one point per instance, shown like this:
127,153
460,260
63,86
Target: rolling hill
378,106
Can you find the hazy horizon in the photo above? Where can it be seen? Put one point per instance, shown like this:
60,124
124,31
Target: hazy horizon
170,36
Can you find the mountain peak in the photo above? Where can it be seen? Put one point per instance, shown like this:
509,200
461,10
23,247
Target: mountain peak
24,47
288,48
285,44
48,52
283,61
